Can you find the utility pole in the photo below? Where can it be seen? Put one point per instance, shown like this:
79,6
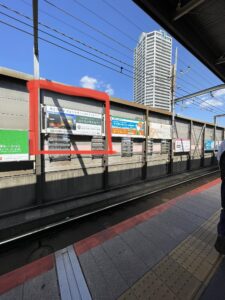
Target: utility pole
215,118
38,161
173,89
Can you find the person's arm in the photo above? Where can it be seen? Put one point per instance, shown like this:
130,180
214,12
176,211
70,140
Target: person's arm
222,166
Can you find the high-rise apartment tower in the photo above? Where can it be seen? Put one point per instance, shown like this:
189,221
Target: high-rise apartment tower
152,70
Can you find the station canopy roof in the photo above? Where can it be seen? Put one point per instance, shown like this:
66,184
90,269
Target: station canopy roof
197,24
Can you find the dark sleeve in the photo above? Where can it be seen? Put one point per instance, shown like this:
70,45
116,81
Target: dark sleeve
222,166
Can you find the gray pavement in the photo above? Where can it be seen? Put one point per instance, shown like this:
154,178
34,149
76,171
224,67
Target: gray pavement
169,256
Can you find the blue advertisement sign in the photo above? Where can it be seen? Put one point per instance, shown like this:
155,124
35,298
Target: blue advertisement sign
209,145
127,127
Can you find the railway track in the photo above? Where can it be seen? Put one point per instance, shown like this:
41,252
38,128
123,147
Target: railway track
24,248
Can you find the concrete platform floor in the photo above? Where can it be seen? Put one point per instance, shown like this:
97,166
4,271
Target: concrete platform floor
166,252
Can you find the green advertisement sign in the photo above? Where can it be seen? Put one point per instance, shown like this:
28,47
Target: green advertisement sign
14,145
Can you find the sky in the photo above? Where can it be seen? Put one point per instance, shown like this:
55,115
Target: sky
108,39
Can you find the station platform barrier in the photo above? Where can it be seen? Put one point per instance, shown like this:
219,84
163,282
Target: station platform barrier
166,253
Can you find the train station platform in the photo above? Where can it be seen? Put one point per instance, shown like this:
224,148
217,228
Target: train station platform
166,252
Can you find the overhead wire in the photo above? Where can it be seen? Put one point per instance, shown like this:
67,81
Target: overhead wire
196,71
68,50
88,25
123,16
189,83
78,30
131,22
82,43
69,44
202,101
102,42
61,47
193,103
105,20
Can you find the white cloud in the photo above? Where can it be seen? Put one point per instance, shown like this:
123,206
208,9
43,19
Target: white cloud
204,97
88,82
109,90
219,93
211,102
95,84
188,102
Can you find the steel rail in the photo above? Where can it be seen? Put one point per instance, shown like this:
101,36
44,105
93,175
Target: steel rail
70,219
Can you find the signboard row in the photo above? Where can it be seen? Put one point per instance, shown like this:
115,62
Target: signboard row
184,145
76,122
65,122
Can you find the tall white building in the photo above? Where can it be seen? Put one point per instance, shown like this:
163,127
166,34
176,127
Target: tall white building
152,70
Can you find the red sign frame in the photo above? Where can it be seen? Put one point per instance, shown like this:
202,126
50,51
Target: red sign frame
33,87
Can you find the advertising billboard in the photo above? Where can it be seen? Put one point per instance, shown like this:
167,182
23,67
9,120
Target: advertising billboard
13,145
182,145
209,145
69,121
217,144
127,127
159,131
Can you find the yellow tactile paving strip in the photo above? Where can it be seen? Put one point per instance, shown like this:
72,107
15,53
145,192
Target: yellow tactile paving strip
184,272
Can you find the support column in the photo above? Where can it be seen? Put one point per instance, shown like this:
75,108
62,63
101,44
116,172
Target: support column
145,149
190,136
38,158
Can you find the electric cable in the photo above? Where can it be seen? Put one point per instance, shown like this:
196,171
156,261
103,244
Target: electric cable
166,78
105,20
122,15
88,25
78,30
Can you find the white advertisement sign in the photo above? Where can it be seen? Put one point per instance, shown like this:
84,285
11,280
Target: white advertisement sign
156,148
159,131
217,144
69,121
182,145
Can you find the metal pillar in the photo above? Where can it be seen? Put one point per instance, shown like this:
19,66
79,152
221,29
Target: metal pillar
203,147
173,88
105,159
38,158
145,148
190,135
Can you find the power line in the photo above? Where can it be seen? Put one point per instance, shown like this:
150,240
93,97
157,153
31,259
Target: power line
78,30
105,20
187,82
61,47
88,25
78,41
219,110
194,103
198,86
71,45
65,35
51,35
200,103
119,67
66,49
197,72
122,15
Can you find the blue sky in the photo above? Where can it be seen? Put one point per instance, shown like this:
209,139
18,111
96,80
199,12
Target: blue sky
60,65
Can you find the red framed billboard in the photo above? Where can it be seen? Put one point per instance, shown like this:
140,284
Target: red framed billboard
35,85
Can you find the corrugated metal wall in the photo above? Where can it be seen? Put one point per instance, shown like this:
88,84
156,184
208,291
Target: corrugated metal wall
83,174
